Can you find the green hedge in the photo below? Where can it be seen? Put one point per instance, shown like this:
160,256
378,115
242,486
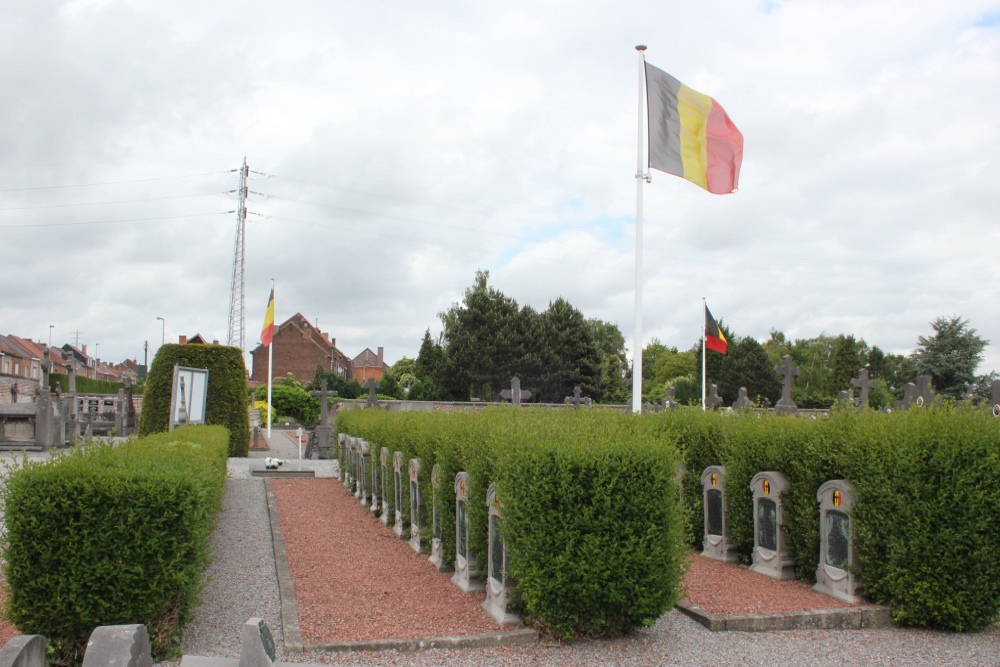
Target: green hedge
591,516
88,385
228,401
112,535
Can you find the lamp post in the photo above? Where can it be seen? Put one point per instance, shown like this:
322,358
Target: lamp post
163,333
51,327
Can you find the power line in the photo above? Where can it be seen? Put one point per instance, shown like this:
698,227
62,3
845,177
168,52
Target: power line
108,203
109,222
88,185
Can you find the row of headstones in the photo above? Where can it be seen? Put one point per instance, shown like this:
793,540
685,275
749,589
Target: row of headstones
836,573
371,485
129,646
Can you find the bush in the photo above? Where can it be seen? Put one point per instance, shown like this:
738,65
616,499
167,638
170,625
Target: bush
86,385
227,403
290,401
113,535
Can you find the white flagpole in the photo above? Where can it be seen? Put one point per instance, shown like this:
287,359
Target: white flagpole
704,352
640,176
270,367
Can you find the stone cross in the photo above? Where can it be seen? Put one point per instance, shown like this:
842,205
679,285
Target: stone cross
909,397
371,385
576,399
713,400
787,370
743,400
324,408
515,394
864,384
925,393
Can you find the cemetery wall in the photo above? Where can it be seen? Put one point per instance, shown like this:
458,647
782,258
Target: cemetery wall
108,535
27,388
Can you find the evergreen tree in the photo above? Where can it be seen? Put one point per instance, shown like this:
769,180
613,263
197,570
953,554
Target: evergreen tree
614,360
950,356
570,356
748,365
848,359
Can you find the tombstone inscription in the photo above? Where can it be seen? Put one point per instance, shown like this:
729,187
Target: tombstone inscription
716,543
770,555
836,573
398,528
384,467
465,576
437,551
416,507
500,589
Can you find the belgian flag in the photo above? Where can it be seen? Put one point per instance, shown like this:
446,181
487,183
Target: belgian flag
267,332
715,340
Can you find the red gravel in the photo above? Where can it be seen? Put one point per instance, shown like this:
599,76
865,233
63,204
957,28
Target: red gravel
355,580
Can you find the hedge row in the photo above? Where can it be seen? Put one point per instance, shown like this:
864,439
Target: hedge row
592,521
112,535
228,402
85,385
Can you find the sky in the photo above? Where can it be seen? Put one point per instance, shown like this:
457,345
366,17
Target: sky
396,148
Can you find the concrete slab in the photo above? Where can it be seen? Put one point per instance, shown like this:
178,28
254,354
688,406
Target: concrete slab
864,617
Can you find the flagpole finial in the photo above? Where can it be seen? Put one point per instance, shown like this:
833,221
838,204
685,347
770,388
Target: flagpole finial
640,47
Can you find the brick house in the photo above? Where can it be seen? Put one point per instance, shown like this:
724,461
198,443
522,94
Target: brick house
298,348
368,365
20,357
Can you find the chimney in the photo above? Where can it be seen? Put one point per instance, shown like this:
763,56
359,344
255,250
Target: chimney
381,350
215,342
84,349
183,339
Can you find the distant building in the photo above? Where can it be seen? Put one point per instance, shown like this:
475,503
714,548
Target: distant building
20,357
369,365
299,347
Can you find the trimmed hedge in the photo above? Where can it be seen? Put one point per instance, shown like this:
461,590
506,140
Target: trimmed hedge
591,517
228,401
109,535
86,385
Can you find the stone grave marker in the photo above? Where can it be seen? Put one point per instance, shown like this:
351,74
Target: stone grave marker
835,575
845,398
257,649
342,460
576,399
416,506
713,401
787,370
465,576
23,651
909,397
670,402
125,645
925,392
716,543
364,463
995,398
770,555
437,553
864,384
742,400
384,466
515,394
371,385
398,528
376,487
500,588
324,431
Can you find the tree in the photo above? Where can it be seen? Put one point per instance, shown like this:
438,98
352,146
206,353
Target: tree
848,358
673,364
950,356
570,357
429,359
614,360
747,365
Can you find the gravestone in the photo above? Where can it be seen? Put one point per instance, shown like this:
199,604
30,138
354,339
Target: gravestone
437,552
124,645
995,398
376,477
845,398
342,444
909,397
398,527
371,385
416,506
23,651
770,555
787,370
716,543
349,463
670,402
742,400
384,467
713,401
500,588
864,384
925,392
576,399
324,431
515,394
835,575
465,576
257,649
364,462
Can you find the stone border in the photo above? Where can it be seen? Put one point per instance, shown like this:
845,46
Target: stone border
866,617
292,635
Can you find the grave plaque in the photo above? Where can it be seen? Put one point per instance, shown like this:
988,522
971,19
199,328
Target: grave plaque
716,543
342,460
398,528
363,465
416,507
437,554
500,588
465,576
836,573
188,397
376,488
384,466
770,556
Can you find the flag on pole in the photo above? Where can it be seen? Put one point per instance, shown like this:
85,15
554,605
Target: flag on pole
690,135
267,333
715,340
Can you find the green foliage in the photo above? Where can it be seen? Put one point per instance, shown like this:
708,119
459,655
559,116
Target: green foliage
570,356
614,360
950,356
746,365
227,403
290,401
87,385
113,535
344,388
848,358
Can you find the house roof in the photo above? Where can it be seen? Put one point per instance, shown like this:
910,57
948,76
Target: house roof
34,350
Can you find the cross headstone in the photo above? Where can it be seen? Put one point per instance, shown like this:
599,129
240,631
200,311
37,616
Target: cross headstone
371,384
713,400
925,392
864,384
742,400
324,408
787,370
909,397
515,394
576,399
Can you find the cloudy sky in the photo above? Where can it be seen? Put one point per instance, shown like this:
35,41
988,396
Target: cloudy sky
396,147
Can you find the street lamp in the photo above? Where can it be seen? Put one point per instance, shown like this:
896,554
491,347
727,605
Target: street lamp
51,327
163,333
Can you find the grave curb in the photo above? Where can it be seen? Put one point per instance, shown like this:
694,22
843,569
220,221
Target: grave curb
867,617
291,635
488,640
